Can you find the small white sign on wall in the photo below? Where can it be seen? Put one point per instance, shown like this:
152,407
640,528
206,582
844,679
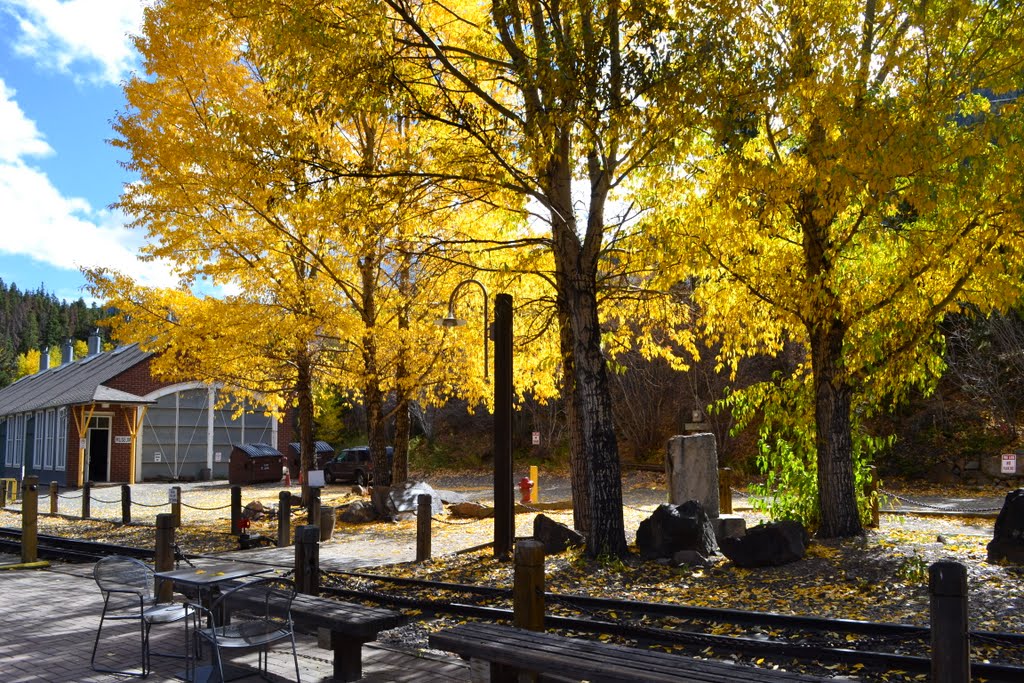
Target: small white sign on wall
216,456
1009,463
157,456
122,439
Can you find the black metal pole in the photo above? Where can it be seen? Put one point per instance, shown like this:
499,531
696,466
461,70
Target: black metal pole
504,513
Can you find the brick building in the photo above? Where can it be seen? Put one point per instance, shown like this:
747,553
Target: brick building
104,418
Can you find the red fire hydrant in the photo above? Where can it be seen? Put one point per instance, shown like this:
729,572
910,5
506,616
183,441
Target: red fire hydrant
525,486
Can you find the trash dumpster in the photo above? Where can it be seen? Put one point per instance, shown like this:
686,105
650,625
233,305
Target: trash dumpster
254,463
323,452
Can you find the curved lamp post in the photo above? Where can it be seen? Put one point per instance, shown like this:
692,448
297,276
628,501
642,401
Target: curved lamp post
504,512
451,321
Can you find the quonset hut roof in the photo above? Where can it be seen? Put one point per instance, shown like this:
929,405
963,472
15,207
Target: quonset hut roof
76,383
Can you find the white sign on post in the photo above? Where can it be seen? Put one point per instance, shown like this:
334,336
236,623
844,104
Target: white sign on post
81,444
536,438
172,495
1009,463
316,479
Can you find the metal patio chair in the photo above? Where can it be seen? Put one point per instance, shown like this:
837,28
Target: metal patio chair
255,615
128,594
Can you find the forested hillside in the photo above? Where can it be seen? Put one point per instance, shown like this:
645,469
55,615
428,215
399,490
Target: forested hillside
36,319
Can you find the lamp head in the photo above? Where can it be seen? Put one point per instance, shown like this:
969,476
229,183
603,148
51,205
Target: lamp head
451,321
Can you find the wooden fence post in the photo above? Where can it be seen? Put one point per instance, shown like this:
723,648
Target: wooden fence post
528,586
87,500
54,488
30,520
725,491
284,519
236,510
951,648
307,559
126,504
423,514
176,506
314,506
164,560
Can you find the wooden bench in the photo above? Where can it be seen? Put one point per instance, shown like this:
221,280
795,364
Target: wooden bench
513,650
343,627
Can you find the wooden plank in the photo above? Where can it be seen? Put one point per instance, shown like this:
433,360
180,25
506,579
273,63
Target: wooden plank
555,654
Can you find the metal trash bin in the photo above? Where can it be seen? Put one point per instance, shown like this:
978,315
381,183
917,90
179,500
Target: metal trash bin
328,518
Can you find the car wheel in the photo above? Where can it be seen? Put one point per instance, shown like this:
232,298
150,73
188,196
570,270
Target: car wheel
360,479
329,476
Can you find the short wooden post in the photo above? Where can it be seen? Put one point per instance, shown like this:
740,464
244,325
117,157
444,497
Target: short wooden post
951,648
236,510
528,585
535,478
126,504
725,491
54,488
423,513
176,505
164,560
307,559
284,519
30,519
873,496
87,500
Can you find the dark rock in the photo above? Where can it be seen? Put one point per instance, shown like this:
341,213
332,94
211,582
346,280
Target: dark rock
359,512
672,528
555,537
1008,537
768,545
692,558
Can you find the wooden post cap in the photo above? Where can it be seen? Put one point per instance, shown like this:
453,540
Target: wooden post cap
947,578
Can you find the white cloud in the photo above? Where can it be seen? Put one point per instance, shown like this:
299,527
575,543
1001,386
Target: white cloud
89,35
42,224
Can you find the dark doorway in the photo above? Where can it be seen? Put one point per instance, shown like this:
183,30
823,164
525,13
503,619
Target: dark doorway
99,453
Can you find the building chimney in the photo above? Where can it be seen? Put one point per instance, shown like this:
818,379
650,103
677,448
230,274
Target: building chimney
68,354
44,359
94,342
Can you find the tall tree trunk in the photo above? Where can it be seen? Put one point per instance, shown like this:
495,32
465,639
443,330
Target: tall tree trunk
574,425
372,394
607,530
400,463
837,495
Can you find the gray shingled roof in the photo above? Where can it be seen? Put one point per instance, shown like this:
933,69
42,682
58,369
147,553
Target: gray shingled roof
80,382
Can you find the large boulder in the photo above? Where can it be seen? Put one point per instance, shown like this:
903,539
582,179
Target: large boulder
1008,537
359,512
404,498
471,510
556,537
672,528
768,545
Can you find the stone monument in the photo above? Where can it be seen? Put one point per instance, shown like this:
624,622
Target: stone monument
691,466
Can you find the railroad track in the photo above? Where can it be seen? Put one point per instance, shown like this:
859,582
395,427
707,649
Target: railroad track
878,646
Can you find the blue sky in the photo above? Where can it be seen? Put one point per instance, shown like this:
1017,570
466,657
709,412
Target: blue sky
61,68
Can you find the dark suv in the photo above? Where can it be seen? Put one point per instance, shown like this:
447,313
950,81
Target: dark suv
352,464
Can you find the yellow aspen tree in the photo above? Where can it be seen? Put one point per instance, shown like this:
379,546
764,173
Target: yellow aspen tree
861,175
